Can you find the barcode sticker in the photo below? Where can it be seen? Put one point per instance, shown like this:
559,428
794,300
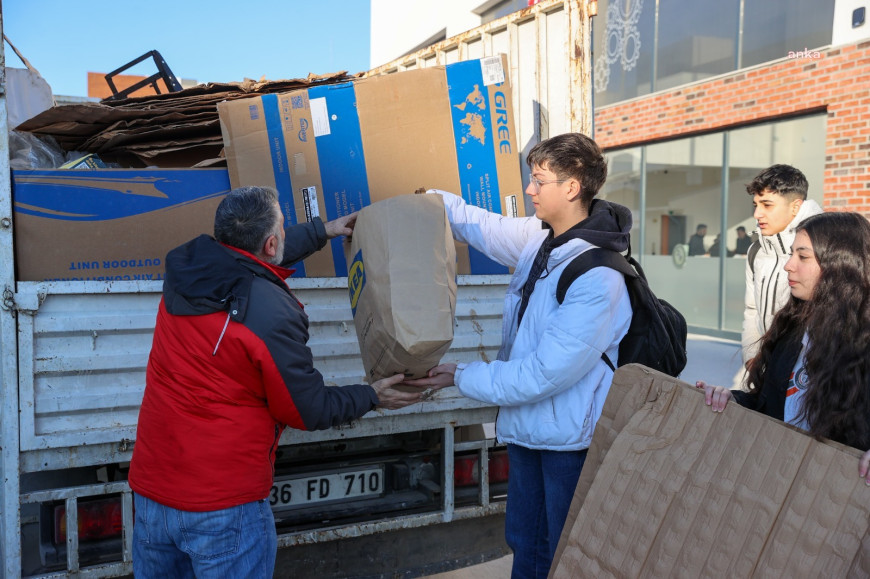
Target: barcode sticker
309,197
319,116
493,72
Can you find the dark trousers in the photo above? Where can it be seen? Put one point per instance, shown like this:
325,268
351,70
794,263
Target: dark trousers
540,489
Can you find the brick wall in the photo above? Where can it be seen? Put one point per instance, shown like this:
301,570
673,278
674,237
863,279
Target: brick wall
836,80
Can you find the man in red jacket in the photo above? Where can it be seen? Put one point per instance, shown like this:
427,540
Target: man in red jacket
229,369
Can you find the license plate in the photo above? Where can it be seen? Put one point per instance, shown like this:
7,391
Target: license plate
336,486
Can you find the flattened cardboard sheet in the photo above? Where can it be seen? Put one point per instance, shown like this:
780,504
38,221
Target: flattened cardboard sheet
671,489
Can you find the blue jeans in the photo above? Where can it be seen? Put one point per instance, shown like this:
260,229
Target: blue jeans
236,542
541,486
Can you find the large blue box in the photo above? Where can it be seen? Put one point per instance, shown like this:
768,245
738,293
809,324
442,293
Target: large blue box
109,224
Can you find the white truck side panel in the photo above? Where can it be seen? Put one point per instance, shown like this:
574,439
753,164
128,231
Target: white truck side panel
83,350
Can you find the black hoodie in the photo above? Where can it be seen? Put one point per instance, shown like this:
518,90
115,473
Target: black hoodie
608,226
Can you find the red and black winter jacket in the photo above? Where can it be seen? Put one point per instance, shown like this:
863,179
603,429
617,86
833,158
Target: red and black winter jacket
229,368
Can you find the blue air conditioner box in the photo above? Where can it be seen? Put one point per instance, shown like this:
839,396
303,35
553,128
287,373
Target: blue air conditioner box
109,224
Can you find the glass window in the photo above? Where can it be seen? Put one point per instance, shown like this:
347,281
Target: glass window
690,40
739,215
797,142
697,39
683,193
623,187
622,49
773,28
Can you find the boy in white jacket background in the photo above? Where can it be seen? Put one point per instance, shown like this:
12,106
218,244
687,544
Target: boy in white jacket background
549,380
779,196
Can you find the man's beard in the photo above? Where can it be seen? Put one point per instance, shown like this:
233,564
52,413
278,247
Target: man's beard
279,254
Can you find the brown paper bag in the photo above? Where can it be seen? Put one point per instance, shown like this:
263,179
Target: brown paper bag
402,285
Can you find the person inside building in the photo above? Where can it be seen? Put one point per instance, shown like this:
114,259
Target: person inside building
743,241
812,369
716,248
779,195
696,242
229,368
550,379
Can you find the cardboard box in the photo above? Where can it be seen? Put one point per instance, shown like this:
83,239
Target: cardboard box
109,224
671,489
89,161
331,150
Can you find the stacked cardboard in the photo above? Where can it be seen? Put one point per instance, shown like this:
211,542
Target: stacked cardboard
671,489
329,144
179,129
331,150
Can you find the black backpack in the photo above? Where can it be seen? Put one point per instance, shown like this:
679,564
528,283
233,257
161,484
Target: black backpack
657,334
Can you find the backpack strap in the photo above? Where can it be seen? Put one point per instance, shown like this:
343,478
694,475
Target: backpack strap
595,257
591,258
753,249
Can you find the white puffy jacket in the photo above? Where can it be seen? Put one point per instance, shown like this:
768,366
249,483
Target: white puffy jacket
549,379
767,289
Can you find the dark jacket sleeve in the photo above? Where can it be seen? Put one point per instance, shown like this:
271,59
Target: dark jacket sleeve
295,391
771,399
745,399
302,240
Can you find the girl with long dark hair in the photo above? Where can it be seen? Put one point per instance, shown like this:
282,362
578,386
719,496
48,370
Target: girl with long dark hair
812,369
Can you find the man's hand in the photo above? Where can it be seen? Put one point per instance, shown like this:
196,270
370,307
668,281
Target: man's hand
391,399
439,377
341,226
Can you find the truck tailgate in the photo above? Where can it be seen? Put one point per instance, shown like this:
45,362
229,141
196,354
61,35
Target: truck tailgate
84,349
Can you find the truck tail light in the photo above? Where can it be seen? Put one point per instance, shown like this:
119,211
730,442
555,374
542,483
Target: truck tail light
98,520
499,467
466,472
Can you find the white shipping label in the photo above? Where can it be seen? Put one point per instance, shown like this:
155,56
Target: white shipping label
319,116
493,72
309,198
510,205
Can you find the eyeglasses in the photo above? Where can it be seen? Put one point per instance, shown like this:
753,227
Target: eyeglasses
538,183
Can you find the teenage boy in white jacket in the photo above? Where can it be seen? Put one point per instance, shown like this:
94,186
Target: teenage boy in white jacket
779,195
549,380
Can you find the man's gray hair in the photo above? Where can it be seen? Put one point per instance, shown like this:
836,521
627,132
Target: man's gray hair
246,218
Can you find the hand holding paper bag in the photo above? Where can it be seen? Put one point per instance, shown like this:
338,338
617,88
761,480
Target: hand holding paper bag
341,226
441,376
